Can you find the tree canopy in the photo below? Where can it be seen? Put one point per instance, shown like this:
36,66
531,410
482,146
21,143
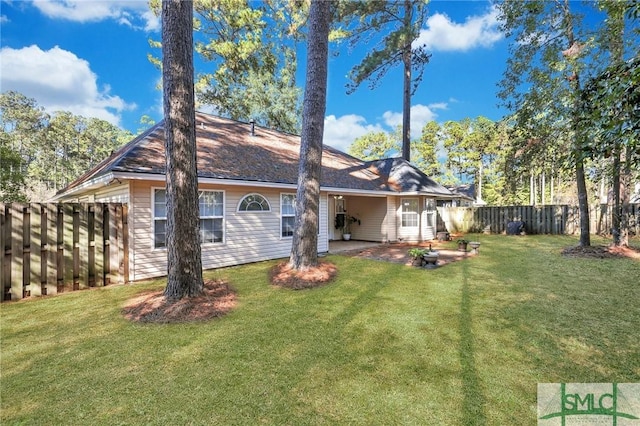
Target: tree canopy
397,24
42,153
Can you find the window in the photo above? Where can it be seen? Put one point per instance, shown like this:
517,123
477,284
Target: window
211,211
287,213
430,209
409,212
254,203
211,205
159,218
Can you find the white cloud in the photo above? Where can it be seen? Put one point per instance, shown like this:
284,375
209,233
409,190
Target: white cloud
420,115
445,35
340,132
4,19
59,81
125,12
152,22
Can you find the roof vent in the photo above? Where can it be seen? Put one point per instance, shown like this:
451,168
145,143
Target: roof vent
253,127
202,125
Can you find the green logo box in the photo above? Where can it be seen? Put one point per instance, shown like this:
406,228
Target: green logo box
585,404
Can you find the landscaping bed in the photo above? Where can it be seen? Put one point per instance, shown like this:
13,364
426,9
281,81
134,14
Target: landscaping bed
399,252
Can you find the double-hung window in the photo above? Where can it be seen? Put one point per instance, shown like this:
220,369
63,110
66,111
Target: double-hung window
287,214
409,212
211,206
211,211
430,211
159,218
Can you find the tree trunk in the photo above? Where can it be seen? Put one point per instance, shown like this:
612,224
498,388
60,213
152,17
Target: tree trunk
183,240
480,182
304,247
625,182
583,201
616,214
621,177
543,186
406,93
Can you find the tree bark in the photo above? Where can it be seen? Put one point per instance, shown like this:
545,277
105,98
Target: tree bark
406,93
184,260
583,201
304,247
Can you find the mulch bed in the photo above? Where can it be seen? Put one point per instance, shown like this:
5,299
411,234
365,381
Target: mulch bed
218,299
602,252
281,275
398,253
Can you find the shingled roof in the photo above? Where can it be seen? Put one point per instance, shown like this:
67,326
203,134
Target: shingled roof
228,150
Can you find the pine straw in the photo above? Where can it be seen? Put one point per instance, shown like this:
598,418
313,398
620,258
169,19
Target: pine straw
218,299
282,275
602,252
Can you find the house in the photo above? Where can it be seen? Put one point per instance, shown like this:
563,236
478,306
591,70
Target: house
465,195
247,179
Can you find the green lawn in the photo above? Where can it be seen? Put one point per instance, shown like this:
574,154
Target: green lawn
384,344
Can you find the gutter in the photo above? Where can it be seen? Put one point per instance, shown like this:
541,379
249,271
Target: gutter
93,183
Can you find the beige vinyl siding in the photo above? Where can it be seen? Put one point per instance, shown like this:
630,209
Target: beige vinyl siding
248,236
372,212
391,221
113,194
144,260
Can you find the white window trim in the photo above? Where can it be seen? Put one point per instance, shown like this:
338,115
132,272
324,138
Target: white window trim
223,217
153,218
253,211
288,237
402,213
430,213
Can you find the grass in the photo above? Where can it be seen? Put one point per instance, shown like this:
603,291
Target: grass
384,344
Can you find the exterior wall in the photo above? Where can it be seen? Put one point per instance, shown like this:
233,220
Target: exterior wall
248,236
407,233
427,232
422,232
372,212
113,194
108,194
391,223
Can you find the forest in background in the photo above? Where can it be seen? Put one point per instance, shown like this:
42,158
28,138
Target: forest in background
528,157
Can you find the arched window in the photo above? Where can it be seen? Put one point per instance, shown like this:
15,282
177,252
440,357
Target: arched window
254,203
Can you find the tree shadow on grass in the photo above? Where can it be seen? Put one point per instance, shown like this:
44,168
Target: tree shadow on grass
473,404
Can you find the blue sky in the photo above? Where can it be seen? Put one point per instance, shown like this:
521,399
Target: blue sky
90,57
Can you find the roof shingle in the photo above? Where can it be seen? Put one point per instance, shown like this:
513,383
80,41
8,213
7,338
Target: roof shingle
226,149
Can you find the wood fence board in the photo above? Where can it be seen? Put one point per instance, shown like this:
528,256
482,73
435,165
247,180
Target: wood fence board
120,245
5,260
547,219
68,244
52,249
35,251
98,248
83,246
17,251
113,245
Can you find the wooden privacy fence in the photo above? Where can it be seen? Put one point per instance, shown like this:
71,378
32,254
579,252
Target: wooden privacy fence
550,219
53,248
